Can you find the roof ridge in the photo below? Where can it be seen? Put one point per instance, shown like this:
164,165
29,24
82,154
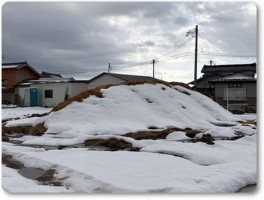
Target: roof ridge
233,65
15,63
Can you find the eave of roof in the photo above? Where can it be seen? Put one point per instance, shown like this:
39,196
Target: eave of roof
204,77
12,65
127,77
18,65
124,77
234,78
226,68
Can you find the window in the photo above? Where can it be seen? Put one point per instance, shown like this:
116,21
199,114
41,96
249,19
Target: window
48,93
235,85
235,94
4,82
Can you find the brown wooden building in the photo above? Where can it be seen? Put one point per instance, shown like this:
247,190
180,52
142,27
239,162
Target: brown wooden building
12,74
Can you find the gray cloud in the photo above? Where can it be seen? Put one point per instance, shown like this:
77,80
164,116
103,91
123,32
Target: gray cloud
87,36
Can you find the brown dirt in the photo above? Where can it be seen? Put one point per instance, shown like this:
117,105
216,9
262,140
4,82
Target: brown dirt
248,122
10,162
184,92
112,144
180,84
48,178
222,124
156,135
37,130
5,137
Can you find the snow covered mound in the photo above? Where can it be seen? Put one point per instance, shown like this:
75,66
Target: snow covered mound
131,108
137,139
137,107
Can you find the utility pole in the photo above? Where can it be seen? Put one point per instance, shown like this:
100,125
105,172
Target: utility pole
109,67
192,33
195,58
153,62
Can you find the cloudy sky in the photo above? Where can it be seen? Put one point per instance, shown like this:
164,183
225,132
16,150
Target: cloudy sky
80,39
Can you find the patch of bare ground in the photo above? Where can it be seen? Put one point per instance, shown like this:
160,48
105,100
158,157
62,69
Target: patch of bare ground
180,84
222,124
206,138
184,92
46,178
37,130
249,122
111,144
10,162
162,134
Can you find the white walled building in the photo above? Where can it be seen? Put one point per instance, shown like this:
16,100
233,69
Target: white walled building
49,92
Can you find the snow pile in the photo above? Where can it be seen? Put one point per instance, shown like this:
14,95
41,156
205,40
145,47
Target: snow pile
133,108
163,166
172,164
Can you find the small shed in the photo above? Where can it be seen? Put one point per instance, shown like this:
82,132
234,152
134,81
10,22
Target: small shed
49,92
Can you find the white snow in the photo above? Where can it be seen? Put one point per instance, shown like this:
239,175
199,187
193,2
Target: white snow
172,165
22,112
230,166
129,109
177,135
15,183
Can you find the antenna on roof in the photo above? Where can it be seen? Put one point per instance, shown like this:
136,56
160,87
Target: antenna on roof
109,67
211,62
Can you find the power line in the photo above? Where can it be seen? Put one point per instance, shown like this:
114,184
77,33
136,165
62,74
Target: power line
226,55
216,48
177,56
175,48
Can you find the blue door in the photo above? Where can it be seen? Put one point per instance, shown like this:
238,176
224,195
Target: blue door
33,97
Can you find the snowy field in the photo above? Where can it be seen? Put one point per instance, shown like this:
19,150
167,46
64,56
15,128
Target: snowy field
176,163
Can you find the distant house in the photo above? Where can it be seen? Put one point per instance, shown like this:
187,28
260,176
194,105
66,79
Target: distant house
12,74
112,78
50,75
237,93
49,92
214,72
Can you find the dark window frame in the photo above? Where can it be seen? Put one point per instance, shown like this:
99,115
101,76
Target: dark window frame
235,85
48,94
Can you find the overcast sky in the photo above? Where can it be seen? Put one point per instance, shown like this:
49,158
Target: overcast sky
80,39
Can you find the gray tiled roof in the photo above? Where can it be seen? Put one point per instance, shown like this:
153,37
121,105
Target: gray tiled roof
127,77
18,65
236,68
235,78
13,65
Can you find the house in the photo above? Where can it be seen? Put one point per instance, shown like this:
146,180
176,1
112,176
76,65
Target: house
112,78
48,92
237,93
50,75
214,72
12,74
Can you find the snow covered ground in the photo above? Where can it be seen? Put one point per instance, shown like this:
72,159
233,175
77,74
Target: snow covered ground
9,113
170,165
